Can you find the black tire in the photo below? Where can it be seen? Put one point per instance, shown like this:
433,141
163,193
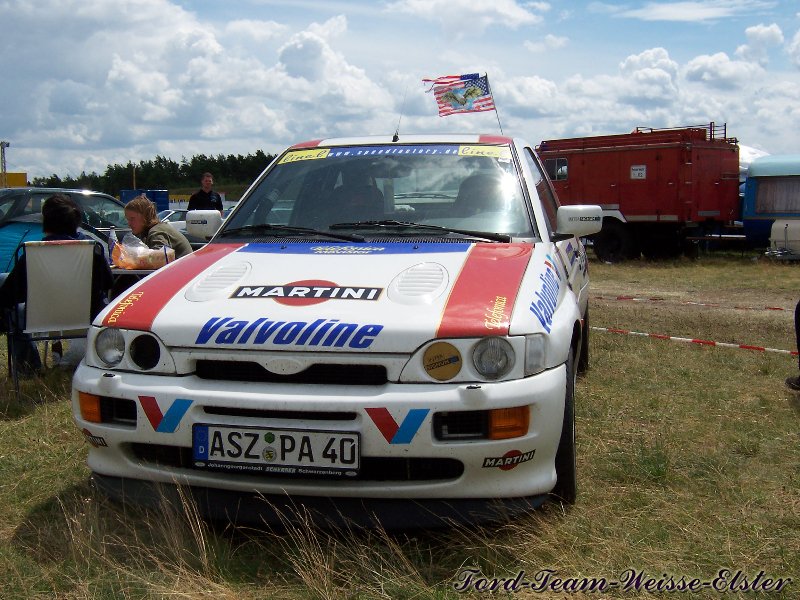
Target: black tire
661,245
583,358
615,242
566,489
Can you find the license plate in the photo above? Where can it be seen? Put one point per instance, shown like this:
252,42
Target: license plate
280,451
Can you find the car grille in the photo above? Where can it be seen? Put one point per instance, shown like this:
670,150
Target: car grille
372,468
326,374
259,413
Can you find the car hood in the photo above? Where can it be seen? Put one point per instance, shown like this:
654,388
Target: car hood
390,297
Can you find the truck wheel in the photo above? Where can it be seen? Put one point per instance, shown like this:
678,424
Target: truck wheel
615,242
659,246
566,489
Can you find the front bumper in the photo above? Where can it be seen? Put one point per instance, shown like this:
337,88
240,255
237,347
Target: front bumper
136,450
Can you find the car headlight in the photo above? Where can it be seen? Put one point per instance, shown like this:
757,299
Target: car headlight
535,356
110,346
493,357
145,352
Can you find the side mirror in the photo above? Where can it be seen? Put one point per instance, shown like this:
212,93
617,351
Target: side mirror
203,223
579,220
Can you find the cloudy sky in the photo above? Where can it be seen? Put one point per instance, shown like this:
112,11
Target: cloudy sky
87,83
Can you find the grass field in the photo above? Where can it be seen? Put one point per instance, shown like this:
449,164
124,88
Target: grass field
689,463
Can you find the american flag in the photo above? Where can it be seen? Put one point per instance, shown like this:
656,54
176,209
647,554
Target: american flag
461,93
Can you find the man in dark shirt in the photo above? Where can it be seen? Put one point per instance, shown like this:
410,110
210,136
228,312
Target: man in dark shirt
205,198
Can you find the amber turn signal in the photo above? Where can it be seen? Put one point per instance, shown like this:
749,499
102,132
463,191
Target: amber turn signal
507,423
90,407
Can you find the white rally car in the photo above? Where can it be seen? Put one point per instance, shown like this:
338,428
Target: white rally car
383,330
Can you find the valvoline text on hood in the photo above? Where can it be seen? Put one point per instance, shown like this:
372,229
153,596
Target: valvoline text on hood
321,332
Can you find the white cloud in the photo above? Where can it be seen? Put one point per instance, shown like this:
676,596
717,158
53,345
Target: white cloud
332,28
549,42
463,17
97,82
760,38
793,50
654,58
257,31
693,11
719,71
529,96
603,8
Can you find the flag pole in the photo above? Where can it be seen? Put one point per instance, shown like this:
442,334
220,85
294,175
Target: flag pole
496,114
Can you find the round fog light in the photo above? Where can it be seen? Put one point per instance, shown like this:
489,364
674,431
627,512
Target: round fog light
145,351
110,346
493,357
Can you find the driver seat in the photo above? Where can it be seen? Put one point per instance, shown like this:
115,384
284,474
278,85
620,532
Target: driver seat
479,193
362,202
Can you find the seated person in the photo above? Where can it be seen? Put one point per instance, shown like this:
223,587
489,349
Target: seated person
61,218
145,224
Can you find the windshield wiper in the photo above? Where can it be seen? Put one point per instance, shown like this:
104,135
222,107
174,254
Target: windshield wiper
392,224
425,195
264,227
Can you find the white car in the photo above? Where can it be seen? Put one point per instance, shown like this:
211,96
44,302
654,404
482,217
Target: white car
384,331
175,217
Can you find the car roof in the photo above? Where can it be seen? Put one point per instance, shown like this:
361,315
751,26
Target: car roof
48,190
441,138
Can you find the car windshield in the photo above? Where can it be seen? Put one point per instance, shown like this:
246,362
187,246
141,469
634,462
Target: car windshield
385,190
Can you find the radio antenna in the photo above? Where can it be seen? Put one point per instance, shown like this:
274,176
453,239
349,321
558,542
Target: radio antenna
396,136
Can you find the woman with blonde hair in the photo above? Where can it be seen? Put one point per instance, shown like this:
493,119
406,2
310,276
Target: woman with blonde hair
144,223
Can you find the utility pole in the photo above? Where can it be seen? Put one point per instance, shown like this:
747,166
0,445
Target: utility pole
3,178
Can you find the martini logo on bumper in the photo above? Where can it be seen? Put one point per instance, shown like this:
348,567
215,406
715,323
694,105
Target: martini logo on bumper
306,293
95,440
509,460
321,332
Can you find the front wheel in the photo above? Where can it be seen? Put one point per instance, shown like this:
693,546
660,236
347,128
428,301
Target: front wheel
566,489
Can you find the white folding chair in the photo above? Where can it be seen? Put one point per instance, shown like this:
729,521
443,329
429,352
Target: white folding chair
59,291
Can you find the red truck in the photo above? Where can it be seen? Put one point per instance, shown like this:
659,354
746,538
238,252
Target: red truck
657,187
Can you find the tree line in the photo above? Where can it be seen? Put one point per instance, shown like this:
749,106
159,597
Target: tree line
165,173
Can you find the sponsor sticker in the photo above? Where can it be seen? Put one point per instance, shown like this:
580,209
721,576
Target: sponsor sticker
260,331
496,315
164,422
355,249
393,432
299,155
122,306
393,150
442,361
95,440
490,273
509,460
546,299
307,293
490,151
